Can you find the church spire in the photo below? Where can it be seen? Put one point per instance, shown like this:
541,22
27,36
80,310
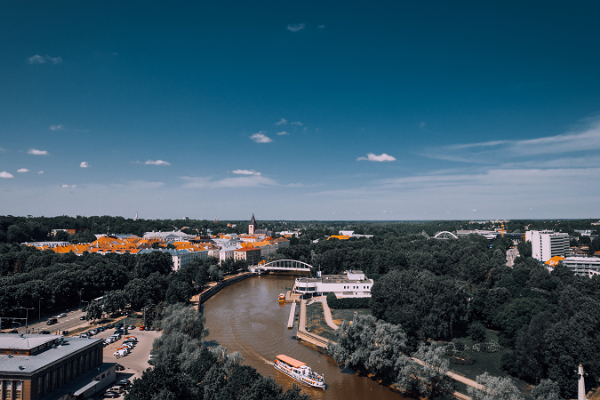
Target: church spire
252,225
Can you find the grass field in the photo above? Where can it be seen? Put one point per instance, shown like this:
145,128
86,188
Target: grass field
340,315
315,321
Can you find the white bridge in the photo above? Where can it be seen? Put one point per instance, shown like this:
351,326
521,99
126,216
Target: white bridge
445,235
282,265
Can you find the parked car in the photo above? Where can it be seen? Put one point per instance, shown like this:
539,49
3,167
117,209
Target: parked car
117,388
92,332
129,345
51,321
61,315
119,367
120,353
44,333
131,327
82,318
109,326
83,335
110,394
119,326
100,329
121,331
123,382
116,336
142,328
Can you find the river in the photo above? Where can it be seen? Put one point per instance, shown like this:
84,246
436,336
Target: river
246,317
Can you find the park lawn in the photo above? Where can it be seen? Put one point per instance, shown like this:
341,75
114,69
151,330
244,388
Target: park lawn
315,321
339,315
486,362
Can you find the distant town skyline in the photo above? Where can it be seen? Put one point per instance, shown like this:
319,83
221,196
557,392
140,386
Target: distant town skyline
300,111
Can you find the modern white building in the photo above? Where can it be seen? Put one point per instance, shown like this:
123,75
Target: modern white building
547,244
352,284
584,266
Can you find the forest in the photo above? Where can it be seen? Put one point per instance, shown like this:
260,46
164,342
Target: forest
439,289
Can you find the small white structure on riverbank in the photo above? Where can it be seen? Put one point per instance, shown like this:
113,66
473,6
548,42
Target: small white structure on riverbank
352,284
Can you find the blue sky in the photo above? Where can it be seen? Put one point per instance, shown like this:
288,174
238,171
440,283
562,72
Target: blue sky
300,110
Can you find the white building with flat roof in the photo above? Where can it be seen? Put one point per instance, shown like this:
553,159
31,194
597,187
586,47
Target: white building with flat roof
547,244
352,284
584,266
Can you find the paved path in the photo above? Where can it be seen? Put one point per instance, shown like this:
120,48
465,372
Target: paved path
327,313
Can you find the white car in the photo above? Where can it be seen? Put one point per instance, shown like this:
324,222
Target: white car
61,315
120,353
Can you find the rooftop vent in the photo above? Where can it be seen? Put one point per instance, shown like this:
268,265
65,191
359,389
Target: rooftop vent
21,367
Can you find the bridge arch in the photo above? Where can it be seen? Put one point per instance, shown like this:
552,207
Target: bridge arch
445,235
286,265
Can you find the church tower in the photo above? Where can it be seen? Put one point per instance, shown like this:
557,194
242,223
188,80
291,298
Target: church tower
252,226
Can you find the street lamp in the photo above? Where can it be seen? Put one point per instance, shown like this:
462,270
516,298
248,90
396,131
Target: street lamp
26,316
40,309
80,297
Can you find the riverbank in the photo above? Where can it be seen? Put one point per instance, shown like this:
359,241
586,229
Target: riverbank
215,287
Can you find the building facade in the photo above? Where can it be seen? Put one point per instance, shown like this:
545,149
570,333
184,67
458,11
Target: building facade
249,254
33,367
584,266
547,244
352,284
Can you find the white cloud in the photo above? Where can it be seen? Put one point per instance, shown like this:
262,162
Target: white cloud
282,121
84,164
5,174
22,170
37,59
54,60
157,162
40,172
69,186
297,123
37,152
490,152
238,182
282,133
379,158
260,137
245,172
56,127
295,27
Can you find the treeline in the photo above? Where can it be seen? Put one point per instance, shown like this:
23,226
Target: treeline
30,279
184,368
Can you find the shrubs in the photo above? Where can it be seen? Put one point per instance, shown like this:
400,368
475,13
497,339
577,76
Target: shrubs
477,332
335,303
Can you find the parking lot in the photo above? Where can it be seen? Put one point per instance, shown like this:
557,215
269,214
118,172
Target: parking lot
136,361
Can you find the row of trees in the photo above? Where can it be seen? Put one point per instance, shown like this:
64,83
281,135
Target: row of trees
380,348
184,368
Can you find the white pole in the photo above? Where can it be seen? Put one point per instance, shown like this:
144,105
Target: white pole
581,392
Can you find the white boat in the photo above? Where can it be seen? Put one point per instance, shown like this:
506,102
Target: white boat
299,371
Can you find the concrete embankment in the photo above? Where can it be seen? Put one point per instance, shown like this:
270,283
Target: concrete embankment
215,288
292,315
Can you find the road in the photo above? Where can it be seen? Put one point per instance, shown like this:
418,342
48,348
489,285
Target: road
64,324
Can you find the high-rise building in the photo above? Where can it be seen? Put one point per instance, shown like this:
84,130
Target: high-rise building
547,244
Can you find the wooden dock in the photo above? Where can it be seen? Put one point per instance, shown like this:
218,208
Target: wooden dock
292,315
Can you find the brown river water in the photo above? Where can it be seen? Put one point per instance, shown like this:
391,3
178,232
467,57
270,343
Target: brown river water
246,317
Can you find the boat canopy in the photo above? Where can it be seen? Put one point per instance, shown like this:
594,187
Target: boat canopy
290,361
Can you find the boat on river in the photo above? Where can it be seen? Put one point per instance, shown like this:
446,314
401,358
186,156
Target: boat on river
281,298
299,371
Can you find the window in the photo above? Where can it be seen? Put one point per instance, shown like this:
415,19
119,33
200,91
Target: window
8,391
18,389
40,386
